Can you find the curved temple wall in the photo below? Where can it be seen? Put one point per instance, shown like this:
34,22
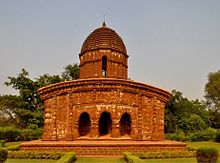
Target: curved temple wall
65,102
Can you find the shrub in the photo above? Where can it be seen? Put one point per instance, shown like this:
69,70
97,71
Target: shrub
2,143
13,148
166,154
34,155
175,136
67,158
29,134
3,155
206,155
202,135
8,133
131,158
217,138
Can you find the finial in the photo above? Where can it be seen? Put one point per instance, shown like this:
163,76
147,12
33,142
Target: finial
103,24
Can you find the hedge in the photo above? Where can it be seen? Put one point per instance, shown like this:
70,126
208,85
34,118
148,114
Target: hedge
34,155
130,158
67,158
206,155
166,154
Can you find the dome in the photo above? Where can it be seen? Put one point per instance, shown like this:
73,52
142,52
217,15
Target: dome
103,38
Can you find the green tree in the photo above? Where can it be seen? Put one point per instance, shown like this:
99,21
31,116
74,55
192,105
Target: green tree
71,72
212,90
212,95
186,115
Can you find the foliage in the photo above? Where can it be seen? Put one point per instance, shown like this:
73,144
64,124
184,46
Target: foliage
212,90
217,138
130,158
14,134
202,135
13,148
67,158
34,155
166,154
206,155
26,109
185,115
212,95
71,72
3,155
2,143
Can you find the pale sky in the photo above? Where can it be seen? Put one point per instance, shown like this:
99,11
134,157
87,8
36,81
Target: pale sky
172,44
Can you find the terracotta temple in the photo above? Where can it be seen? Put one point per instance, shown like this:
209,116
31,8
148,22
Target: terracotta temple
103,112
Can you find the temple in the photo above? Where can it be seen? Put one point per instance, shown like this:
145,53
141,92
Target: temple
103,112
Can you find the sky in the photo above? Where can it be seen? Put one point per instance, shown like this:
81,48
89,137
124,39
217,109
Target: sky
172,44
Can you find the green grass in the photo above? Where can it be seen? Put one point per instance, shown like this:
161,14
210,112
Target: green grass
174,160
30,161
8,144
100,160
204,144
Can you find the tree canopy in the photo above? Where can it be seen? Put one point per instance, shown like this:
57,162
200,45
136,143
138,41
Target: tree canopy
26,109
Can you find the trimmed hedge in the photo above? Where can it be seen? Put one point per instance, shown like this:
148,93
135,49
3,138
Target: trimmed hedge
3,155
166,154
206,155
13,148
130,158
67,158
34,155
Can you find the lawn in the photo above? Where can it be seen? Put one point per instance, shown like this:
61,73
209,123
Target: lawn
29,161
100,160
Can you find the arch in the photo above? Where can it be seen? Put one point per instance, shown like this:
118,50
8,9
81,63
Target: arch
84,124
125,124
104,66
105,124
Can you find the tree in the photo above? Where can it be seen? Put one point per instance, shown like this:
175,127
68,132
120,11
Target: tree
186,115
212,90
26,109
71,72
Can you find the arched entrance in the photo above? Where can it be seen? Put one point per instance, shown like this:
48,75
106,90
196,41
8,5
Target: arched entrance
125,124
105,124
84,124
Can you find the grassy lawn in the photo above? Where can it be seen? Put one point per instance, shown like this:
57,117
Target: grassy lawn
29,161
204,144
100,160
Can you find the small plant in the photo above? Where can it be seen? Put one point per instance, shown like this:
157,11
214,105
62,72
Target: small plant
2,143
206,155
3,155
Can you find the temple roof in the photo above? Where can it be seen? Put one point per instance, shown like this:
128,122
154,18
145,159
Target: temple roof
103,38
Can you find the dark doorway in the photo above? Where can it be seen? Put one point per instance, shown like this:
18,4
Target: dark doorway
104,66
125,124
105,124
84,124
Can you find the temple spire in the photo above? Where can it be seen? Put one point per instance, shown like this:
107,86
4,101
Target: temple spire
104,24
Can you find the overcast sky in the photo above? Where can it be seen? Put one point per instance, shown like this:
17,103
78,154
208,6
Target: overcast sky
172,44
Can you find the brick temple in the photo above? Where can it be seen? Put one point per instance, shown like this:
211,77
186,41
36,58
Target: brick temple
103,112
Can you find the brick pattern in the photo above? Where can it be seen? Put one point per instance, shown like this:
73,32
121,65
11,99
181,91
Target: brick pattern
65,102
97,148
91,64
